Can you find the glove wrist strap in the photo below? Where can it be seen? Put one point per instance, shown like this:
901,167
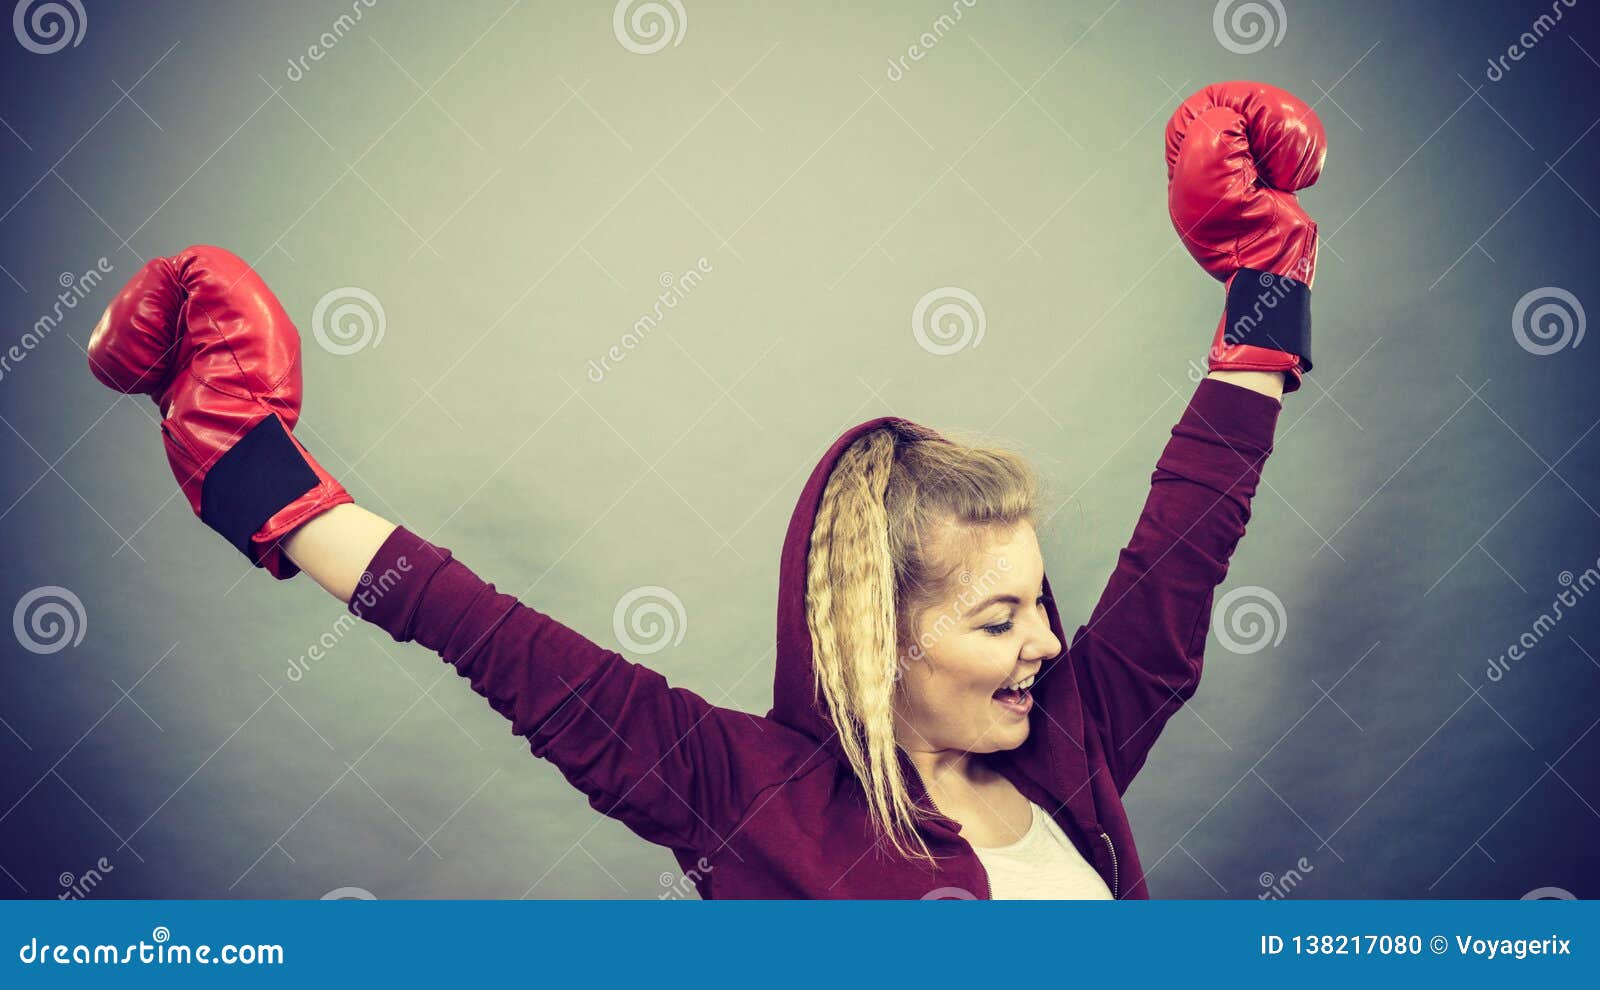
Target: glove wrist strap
1269,310
250,483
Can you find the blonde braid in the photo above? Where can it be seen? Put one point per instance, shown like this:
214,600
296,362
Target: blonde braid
851,611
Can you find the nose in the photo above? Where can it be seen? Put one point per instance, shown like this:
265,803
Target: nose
1041,643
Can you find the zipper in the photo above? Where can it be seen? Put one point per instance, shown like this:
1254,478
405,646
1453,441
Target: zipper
988,895
1114,877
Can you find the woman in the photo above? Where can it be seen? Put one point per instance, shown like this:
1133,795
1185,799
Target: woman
933,733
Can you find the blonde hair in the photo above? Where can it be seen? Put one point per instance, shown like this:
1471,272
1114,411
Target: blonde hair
875,566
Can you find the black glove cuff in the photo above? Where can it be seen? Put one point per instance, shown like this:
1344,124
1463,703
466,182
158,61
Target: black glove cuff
1270,310
259,475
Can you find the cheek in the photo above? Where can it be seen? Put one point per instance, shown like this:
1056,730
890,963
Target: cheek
955,680
974,672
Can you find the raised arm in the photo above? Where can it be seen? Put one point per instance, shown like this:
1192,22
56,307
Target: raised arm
202,334
676,769
1138,658
1236,153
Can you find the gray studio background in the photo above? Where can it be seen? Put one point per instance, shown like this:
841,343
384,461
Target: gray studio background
510,182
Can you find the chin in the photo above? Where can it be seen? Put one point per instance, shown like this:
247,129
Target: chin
999,741
1016,739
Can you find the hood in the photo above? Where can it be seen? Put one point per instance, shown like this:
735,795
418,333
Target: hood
794,694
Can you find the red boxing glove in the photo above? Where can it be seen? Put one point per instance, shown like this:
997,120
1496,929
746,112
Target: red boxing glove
1236,153
202,334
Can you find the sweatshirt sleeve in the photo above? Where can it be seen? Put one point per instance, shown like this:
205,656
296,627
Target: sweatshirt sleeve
675,769
1138,658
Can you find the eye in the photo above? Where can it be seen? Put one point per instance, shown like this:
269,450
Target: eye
998,628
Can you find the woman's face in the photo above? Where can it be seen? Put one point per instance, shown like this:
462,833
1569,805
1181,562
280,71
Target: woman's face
991,631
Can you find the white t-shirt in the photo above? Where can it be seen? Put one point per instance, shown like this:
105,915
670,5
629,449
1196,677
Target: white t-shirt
1042,865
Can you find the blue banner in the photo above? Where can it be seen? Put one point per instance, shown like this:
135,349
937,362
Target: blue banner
781,944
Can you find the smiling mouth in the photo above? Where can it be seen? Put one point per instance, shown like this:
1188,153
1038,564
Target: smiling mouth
1016,694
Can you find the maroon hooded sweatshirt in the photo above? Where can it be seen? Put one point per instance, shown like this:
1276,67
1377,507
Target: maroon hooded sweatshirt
769,807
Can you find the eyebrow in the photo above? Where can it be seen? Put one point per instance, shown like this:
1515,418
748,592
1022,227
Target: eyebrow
1001,600
996,600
